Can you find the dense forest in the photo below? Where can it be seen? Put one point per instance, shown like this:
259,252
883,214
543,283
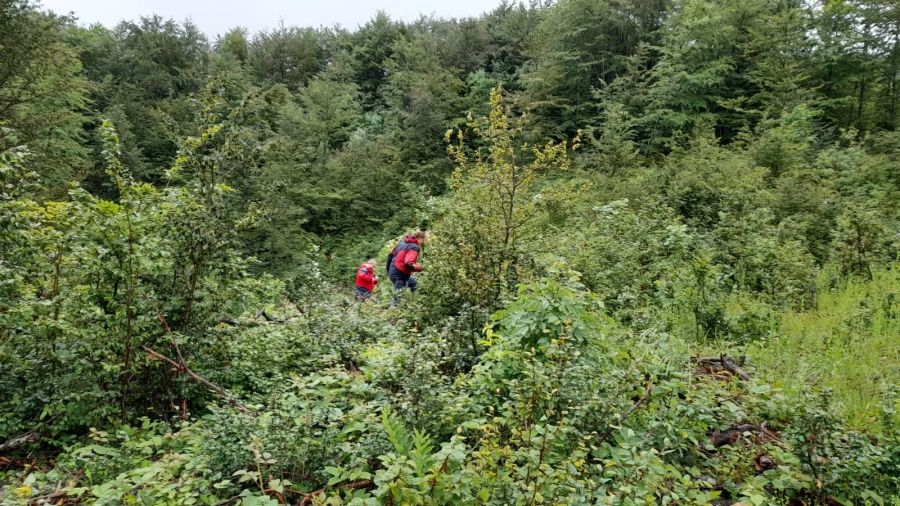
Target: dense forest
661,262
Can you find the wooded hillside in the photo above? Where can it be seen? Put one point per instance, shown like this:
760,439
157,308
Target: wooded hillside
661,264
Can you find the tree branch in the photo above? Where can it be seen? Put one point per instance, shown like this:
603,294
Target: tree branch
268,318
723,362
181,366
32,436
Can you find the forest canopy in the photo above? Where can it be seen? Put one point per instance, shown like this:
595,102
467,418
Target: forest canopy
660,267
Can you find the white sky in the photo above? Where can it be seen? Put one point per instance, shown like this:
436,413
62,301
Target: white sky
217,16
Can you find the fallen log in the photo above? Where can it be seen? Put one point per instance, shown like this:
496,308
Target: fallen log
32,436
269,318
723,362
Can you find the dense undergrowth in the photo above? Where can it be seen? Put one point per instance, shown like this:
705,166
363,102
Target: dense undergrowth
563,407
523,373
662,265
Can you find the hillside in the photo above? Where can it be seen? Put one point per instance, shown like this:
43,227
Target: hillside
654,243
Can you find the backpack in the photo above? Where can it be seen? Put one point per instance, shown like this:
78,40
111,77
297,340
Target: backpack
390,259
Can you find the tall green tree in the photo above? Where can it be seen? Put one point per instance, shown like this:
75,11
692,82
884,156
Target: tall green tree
578,46
370,47
146,72
43,94
236,42
730,63
288,55
855,62
479,246
424,99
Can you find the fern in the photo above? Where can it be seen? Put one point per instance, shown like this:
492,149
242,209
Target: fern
396,432
422,453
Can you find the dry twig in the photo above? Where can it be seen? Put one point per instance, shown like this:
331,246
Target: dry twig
181,366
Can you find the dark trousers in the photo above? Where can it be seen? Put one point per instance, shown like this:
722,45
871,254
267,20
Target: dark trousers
362,294
401,281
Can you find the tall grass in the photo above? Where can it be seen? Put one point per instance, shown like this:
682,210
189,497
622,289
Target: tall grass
850,343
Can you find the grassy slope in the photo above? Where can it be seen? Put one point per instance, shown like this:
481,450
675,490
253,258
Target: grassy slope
850,344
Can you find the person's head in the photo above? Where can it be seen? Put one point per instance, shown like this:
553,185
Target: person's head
372,262
421,236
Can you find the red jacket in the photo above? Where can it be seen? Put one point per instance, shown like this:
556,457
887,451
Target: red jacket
405,256
365,277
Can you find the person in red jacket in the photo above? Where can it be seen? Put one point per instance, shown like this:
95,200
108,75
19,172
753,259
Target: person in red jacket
366,280
404,261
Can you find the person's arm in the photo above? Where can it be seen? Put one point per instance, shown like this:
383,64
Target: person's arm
411,260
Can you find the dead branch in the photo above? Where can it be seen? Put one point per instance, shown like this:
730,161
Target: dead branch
181,366
723,362
165,323
268,318
731,434
32,436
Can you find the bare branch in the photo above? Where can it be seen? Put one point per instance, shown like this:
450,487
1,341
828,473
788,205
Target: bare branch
32,436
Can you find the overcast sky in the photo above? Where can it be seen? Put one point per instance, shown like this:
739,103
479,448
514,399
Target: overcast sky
217,16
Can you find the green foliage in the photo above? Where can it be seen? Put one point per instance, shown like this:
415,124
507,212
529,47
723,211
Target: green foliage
846,343
424,101
857,239
622,251
234,42
563,407
43,93
478,242
148,69
287,55
578,46
94,279
176,322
